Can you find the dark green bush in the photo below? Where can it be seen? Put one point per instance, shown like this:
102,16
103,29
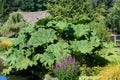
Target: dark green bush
113,18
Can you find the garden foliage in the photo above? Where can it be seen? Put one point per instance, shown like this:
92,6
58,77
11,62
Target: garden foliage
48,43
82,34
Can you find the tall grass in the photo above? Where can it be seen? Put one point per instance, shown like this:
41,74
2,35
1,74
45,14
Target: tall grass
14,23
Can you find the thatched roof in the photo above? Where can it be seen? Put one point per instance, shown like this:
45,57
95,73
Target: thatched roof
32,17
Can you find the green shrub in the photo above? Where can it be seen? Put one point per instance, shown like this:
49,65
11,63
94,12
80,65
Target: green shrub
14,23
46,43
113,59
48,77
89,71
88,78
110,53
102,30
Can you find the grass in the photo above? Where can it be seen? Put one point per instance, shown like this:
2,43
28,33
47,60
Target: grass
1,54
6,39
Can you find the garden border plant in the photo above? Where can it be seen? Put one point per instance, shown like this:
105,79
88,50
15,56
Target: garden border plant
47,43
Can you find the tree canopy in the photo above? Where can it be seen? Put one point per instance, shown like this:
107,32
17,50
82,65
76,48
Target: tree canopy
8,6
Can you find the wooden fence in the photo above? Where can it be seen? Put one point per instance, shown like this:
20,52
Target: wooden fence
116,39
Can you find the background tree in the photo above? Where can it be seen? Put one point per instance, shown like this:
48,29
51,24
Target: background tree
68,9
113,18
73,10
82,11
8,6
4,9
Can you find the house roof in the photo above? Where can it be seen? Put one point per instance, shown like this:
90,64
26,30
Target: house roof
32,17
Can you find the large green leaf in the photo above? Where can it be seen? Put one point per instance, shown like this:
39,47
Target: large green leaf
82,46
23,63
47,59
85,46
94,41
109,49
29,29
80,30
59,26
55,52
114,59
42,36
19,40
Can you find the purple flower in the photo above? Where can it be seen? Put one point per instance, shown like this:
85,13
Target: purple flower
73,61
69,58
66,63
56,66
64,66
61,66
